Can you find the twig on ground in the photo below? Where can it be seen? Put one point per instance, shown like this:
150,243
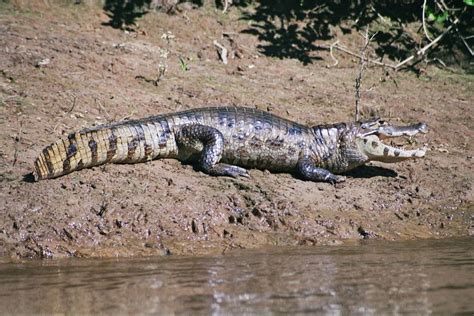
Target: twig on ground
55,128
73,104
222,52
442,63
102,109
162,68
331,48
147,182
17,140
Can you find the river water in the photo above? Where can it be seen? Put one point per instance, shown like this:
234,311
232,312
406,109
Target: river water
370,278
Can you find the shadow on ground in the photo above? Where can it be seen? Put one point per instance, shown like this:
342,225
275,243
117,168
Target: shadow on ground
123,13
371,171
292,29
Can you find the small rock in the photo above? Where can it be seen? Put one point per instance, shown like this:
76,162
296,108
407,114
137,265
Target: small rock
42,63
118,223
226,234
425,193
186,6
256,212
71,201
152,245
194,226
365,233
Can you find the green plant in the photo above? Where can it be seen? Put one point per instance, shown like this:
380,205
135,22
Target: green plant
183,65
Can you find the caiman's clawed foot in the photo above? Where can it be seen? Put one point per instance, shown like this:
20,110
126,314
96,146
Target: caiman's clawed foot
223,169
310,171
336,179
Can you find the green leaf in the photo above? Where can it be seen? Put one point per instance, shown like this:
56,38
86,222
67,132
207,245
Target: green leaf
431,17
469,2
441,18
183,65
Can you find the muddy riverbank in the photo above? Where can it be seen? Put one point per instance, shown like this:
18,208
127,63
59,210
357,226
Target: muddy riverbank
62,69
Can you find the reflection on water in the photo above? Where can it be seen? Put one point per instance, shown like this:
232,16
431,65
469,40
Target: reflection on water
372,278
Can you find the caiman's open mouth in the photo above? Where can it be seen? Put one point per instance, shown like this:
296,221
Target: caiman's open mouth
372,133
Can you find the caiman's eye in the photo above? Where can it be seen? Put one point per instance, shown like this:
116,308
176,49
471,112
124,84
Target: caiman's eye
365,124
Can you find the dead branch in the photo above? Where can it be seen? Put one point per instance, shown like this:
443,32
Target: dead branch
363,62
466,44
331,48
425,29
420,52
226,5
347,51
424,49
103,110
443,7
222,52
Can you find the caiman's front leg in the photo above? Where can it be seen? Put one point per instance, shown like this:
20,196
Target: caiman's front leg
210,143
308,169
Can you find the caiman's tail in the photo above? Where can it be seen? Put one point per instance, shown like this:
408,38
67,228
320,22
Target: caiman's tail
126,142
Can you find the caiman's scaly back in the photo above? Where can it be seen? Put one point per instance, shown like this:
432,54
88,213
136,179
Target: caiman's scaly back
224,140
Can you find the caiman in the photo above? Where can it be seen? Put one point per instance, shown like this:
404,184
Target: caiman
222,141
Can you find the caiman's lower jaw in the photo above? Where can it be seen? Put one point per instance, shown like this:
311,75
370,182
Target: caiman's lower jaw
375,149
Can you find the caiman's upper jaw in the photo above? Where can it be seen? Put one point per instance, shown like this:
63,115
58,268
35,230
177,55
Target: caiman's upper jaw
370,144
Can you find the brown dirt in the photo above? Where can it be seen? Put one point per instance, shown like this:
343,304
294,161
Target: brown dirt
164,206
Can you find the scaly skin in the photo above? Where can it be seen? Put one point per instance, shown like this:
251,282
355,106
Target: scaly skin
225,139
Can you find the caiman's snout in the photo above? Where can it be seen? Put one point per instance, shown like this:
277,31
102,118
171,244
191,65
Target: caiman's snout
370,144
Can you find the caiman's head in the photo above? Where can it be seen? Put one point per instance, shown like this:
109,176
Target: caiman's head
369,135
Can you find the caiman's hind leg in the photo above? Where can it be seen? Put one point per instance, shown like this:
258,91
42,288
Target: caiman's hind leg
308,169
209,142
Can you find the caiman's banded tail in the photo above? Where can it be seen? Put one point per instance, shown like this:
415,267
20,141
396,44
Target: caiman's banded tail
126,142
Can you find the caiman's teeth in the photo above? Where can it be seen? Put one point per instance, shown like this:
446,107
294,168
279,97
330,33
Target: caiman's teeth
369,133
377,150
